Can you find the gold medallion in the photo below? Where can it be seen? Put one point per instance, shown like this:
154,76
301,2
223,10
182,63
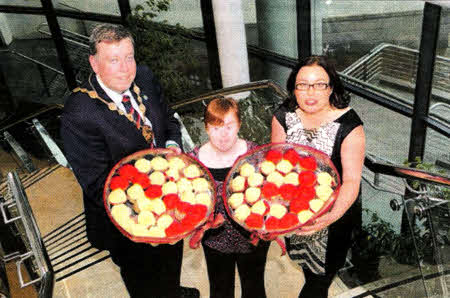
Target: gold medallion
142,108
147,132
92,94
112,106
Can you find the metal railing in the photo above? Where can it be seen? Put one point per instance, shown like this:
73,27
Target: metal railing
397,65
16,210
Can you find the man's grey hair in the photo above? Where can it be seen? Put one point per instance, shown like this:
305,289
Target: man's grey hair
108,33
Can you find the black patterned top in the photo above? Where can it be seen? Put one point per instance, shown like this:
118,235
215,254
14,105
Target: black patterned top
311,251
230,237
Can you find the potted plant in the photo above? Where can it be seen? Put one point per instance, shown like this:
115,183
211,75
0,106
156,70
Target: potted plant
374,240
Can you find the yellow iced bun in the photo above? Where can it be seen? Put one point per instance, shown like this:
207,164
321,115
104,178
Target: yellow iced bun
236,200
156,231
323,178
176,163
183,185
238,183
169,187
203,198
135,192
255,179
146,218
275,177
323,192
277,210
120,212
117,196
267,167
192,171
284,166
159,163
142,204
252,194
291,178
139,230
246,170
164,221
242,212
143,165
304,216
188,196
200,185
157,178
173,173
316,204
157,206
259,207
127,224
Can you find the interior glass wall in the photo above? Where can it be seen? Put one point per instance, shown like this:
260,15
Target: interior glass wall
21,3
436,149
109,7
32,50
187,13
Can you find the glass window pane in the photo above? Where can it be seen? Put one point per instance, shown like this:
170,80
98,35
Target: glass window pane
21,3
374,42
31,65
186,13
110,7
276,26
387,132
436,148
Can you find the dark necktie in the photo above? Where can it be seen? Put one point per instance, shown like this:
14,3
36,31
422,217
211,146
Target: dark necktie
126,101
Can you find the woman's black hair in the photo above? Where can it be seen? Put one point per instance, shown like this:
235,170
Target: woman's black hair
338,98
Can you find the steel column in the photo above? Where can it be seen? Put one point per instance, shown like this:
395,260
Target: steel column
57,37
125,10
304,40
425,68
211,44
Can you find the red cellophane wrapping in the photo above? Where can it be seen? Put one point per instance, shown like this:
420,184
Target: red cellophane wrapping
297,184
190,205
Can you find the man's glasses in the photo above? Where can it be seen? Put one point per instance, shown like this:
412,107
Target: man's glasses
316,86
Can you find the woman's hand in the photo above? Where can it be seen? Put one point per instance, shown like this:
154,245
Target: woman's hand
320,223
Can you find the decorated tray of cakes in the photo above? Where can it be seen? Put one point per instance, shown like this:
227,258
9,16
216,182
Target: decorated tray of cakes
277,188
155,196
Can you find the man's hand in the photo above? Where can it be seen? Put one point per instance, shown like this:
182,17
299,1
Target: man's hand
175,149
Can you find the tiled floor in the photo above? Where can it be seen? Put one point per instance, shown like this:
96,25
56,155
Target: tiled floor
56,198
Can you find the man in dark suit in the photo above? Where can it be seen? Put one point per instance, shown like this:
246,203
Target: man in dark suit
118,111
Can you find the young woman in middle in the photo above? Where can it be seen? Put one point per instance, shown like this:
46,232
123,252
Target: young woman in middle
228,245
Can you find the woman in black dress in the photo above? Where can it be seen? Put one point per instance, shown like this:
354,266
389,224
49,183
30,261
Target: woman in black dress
318,115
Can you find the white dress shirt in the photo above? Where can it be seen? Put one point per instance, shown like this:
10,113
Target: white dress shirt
117,99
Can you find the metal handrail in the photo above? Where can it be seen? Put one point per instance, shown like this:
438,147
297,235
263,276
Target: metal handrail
234,89
382,167
401,61
35,61
33,236
65,38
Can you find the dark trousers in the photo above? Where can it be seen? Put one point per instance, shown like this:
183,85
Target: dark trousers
147,271
221,272
316,286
